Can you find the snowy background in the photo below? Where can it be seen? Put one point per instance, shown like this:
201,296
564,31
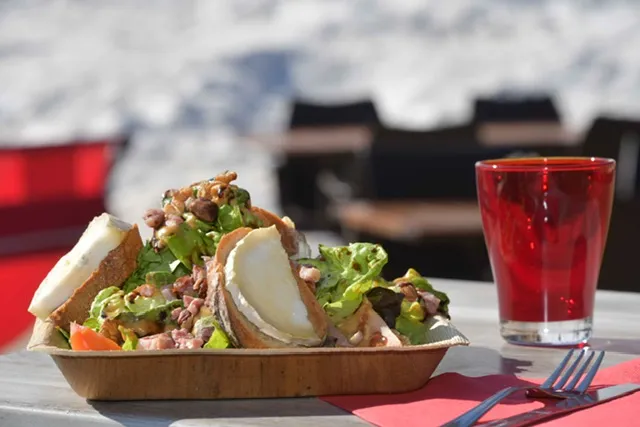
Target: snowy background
190,77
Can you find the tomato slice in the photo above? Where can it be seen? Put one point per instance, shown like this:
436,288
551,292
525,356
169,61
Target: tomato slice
83,338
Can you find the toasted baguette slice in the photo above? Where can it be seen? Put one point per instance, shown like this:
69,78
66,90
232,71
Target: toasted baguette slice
293,241
113,270
242,332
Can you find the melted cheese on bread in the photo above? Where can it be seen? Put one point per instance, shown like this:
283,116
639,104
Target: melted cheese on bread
103,234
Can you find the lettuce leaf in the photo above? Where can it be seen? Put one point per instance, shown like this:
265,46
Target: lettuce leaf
150,261
196,238
113,303
151,307
229,218
160,278
129,337
218,338
347,273
92,323
412,310
350,273
65,336
187,246
417,332
413,277
109,303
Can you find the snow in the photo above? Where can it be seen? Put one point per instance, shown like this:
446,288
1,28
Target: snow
190,76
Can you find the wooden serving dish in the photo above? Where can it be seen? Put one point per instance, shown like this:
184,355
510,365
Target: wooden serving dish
246,373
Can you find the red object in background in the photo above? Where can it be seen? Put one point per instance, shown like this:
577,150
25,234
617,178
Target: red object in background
20,276
545,224
48,196
51,189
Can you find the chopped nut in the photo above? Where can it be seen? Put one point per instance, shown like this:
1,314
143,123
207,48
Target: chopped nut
154,218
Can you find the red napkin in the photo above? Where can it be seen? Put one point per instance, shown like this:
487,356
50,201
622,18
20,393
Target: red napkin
448,395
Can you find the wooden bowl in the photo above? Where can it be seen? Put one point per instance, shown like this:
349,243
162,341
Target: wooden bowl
246,373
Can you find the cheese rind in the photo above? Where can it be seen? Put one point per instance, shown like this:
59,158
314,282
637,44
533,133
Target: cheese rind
103,234
261,283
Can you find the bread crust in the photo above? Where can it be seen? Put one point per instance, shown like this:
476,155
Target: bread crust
241,332
113,270
290,237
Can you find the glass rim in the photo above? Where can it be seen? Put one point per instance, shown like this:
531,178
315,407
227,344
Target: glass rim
525,164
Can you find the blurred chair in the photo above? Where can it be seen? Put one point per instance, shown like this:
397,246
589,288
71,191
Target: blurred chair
619,139
515,109
48,196
420,188
530,125
308,114
297,174
442,158
359,180
444,167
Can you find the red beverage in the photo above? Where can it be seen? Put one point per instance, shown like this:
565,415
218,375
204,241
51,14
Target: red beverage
545,223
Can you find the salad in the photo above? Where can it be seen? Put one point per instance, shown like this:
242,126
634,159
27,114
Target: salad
220,273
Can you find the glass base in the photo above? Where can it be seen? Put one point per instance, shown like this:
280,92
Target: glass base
552,334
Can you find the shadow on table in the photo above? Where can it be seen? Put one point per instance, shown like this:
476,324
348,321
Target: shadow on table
618,345
475,361
166,413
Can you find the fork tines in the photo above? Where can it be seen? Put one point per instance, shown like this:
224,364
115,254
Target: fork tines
569,380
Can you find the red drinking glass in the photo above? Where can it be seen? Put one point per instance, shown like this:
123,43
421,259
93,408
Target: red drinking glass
545,223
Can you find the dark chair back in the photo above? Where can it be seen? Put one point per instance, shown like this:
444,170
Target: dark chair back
309,114
447,137
522,109
297,176
619,139
420,165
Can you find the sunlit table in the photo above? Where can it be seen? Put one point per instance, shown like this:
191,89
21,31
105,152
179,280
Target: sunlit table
315,141
408,220
34,393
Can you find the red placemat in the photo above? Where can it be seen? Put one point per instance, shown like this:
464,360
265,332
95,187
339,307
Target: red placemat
448,395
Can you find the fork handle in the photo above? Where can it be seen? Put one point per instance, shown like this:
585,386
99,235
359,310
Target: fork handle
470,417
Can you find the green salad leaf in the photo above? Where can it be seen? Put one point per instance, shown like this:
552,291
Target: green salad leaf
194,239
160,278
65,336
347,273
188,246
420,282
242,197
128,309
92,323
412,310
108,303
417,332
196,223
218,338
150,261
129,337
229,218
150,307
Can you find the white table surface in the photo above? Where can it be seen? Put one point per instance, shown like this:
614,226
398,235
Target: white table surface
34,393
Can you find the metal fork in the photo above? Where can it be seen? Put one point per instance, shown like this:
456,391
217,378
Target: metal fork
549,389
